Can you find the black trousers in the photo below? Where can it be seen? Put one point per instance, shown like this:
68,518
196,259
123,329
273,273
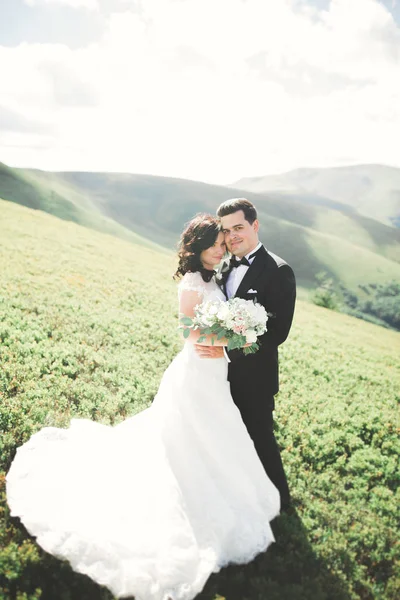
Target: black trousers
257,415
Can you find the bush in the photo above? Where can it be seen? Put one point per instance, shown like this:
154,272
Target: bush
379,303
325,294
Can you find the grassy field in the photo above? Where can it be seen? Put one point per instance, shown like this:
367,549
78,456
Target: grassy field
87,327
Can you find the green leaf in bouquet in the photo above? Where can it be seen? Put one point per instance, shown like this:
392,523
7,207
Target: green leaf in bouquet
237,341
233,344
242,341
186,332
251,349
221,333
201,339
186,321
206,330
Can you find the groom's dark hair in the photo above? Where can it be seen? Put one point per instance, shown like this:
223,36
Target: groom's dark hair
234,204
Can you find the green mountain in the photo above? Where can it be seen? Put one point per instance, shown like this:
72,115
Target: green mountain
49,194
88,326
371,190
312,238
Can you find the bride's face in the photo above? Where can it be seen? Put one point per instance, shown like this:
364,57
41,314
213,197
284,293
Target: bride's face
211,257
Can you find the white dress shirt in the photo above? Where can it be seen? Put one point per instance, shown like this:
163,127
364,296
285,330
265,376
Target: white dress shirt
236,275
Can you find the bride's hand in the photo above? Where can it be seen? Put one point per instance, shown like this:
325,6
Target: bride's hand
212,351
209,351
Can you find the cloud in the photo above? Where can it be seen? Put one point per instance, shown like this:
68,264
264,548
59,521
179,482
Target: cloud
69,87
88,4
14,122
214,90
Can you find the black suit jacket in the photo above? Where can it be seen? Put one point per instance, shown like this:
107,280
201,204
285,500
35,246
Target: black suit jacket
273,279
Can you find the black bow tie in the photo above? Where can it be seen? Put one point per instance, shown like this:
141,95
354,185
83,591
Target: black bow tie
244,261
236,263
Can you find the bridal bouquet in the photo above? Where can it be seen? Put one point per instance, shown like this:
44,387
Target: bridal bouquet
239,321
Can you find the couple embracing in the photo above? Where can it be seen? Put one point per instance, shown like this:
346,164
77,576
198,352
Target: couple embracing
154,505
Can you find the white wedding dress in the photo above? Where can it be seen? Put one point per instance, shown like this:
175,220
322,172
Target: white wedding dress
152,506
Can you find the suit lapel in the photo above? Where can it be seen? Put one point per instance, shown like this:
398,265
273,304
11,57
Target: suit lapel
224,286
224,277
252,273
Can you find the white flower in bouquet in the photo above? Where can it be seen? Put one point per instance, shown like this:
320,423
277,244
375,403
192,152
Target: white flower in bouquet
223,311
251,336
239,321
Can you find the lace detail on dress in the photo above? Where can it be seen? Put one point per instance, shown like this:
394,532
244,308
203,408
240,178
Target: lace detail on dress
192,282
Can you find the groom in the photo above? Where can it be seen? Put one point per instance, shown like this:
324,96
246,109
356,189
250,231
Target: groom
256,274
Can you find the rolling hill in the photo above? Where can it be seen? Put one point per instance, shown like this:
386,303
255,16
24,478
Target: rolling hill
353,249
371,190
53,197
88,326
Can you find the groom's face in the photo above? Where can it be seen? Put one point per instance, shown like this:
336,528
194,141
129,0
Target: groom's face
240,237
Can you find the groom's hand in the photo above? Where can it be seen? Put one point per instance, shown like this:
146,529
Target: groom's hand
209,351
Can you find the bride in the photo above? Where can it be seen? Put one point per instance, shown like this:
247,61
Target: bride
154,505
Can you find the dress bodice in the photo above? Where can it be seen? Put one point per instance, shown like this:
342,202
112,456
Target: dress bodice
207,290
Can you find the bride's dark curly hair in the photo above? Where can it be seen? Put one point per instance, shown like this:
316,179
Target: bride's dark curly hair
199,234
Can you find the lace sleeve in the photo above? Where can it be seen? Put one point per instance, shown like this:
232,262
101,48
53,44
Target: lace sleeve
192,282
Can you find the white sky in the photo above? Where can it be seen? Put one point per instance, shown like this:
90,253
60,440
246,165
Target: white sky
213,90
